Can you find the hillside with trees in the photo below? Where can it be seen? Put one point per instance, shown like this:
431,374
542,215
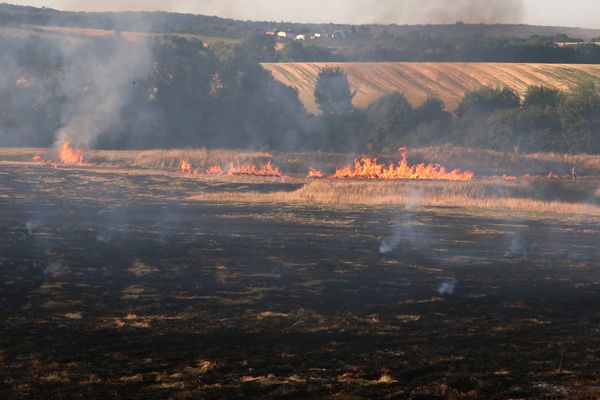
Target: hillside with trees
218,95
338,42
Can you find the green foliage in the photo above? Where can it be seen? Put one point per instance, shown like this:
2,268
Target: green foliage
488,100
297,51
193,96
582,103
333,93
433,124
391,118
541,97
220,96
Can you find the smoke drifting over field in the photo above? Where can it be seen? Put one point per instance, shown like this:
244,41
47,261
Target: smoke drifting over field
369,11
441,11
348,11
98,85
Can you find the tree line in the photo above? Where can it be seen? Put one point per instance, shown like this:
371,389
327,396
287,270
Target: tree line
220,96
191,95
488,118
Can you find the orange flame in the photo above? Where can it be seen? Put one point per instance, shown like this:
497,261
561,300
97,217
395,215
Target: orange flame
185,167
37,158
71,156
215,170
509,177
315,173
369,168
264,170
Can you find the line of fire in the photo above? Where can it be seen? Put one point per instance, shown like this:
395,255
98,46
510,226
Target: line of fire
336,200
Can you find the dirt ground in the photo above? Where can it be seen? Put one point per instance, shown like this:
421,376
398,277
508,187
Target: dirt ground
113,285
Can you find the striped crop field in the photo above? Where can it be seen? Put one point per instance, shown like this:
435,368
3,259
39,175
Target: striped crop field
418,81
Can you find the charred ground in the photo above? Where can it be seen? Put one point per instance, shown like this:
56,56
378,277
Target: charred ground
114,284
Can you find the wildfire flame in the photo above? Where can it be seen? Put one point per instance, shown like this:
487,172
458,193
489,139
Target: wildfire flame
509,178
369,168
37,158
252,170
315,173
71,156
215,170
185,167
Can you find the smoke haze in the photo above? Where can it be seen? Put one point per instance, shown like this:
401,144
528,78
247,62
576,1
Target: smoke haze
349,11
98,85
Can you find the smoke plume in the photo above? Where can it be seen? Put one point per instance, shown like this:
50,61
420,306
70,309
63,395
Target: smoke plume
97,84
447,287
406,229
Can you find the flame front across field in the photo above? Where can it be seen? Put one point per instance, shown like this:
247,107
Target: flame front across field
370,168
252,170
234,169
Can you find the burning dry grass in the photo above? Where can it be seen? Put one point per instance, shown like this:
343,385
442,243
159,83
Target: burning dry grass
197,158
580,198
482,162
541,195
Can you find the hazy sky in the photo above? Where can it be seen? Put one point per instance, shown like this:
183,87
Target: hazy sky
584,13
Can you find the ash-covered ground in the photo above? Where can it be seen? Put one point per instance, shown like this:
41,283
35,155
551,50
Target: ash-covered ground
113,285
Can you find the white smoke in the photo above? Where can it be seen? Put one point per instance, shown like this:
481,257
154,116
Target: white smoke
97,85
517,244
447,287
405,228
52,267
31,226
389,245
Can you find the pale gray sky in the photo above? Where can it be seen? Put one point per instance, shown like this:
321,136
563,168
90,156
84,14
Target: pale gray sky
584,13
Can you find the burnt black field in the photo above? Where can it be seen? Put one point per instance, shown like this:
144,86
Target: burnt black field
115,285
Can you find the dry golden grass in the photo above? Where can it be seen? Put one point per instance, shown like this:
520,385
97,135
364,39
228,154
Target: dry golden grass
198,158
482,162
540,195
419,81
579,198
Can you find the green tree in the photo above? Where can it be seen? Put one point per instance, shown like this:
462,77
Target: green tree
433,124
488,100
391,119
580,114
541,97
333,93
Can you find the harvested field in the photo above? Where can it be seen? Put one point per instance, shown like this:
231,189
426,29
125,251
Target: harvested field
83,33
419,81
116,284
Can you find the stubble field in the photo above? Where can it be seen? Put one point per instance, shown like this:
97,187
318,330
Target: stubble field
448,81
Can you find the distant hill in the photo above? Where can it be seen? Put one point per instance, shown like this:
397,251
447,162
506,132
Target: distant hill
418,81
223,27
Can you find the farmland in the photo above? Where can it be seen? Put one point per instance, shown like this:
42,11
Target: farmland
78,33
128,278
419,81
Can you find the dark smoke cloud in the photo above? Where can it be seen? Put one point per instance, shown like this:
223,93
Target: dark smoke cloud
349,11
442,11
